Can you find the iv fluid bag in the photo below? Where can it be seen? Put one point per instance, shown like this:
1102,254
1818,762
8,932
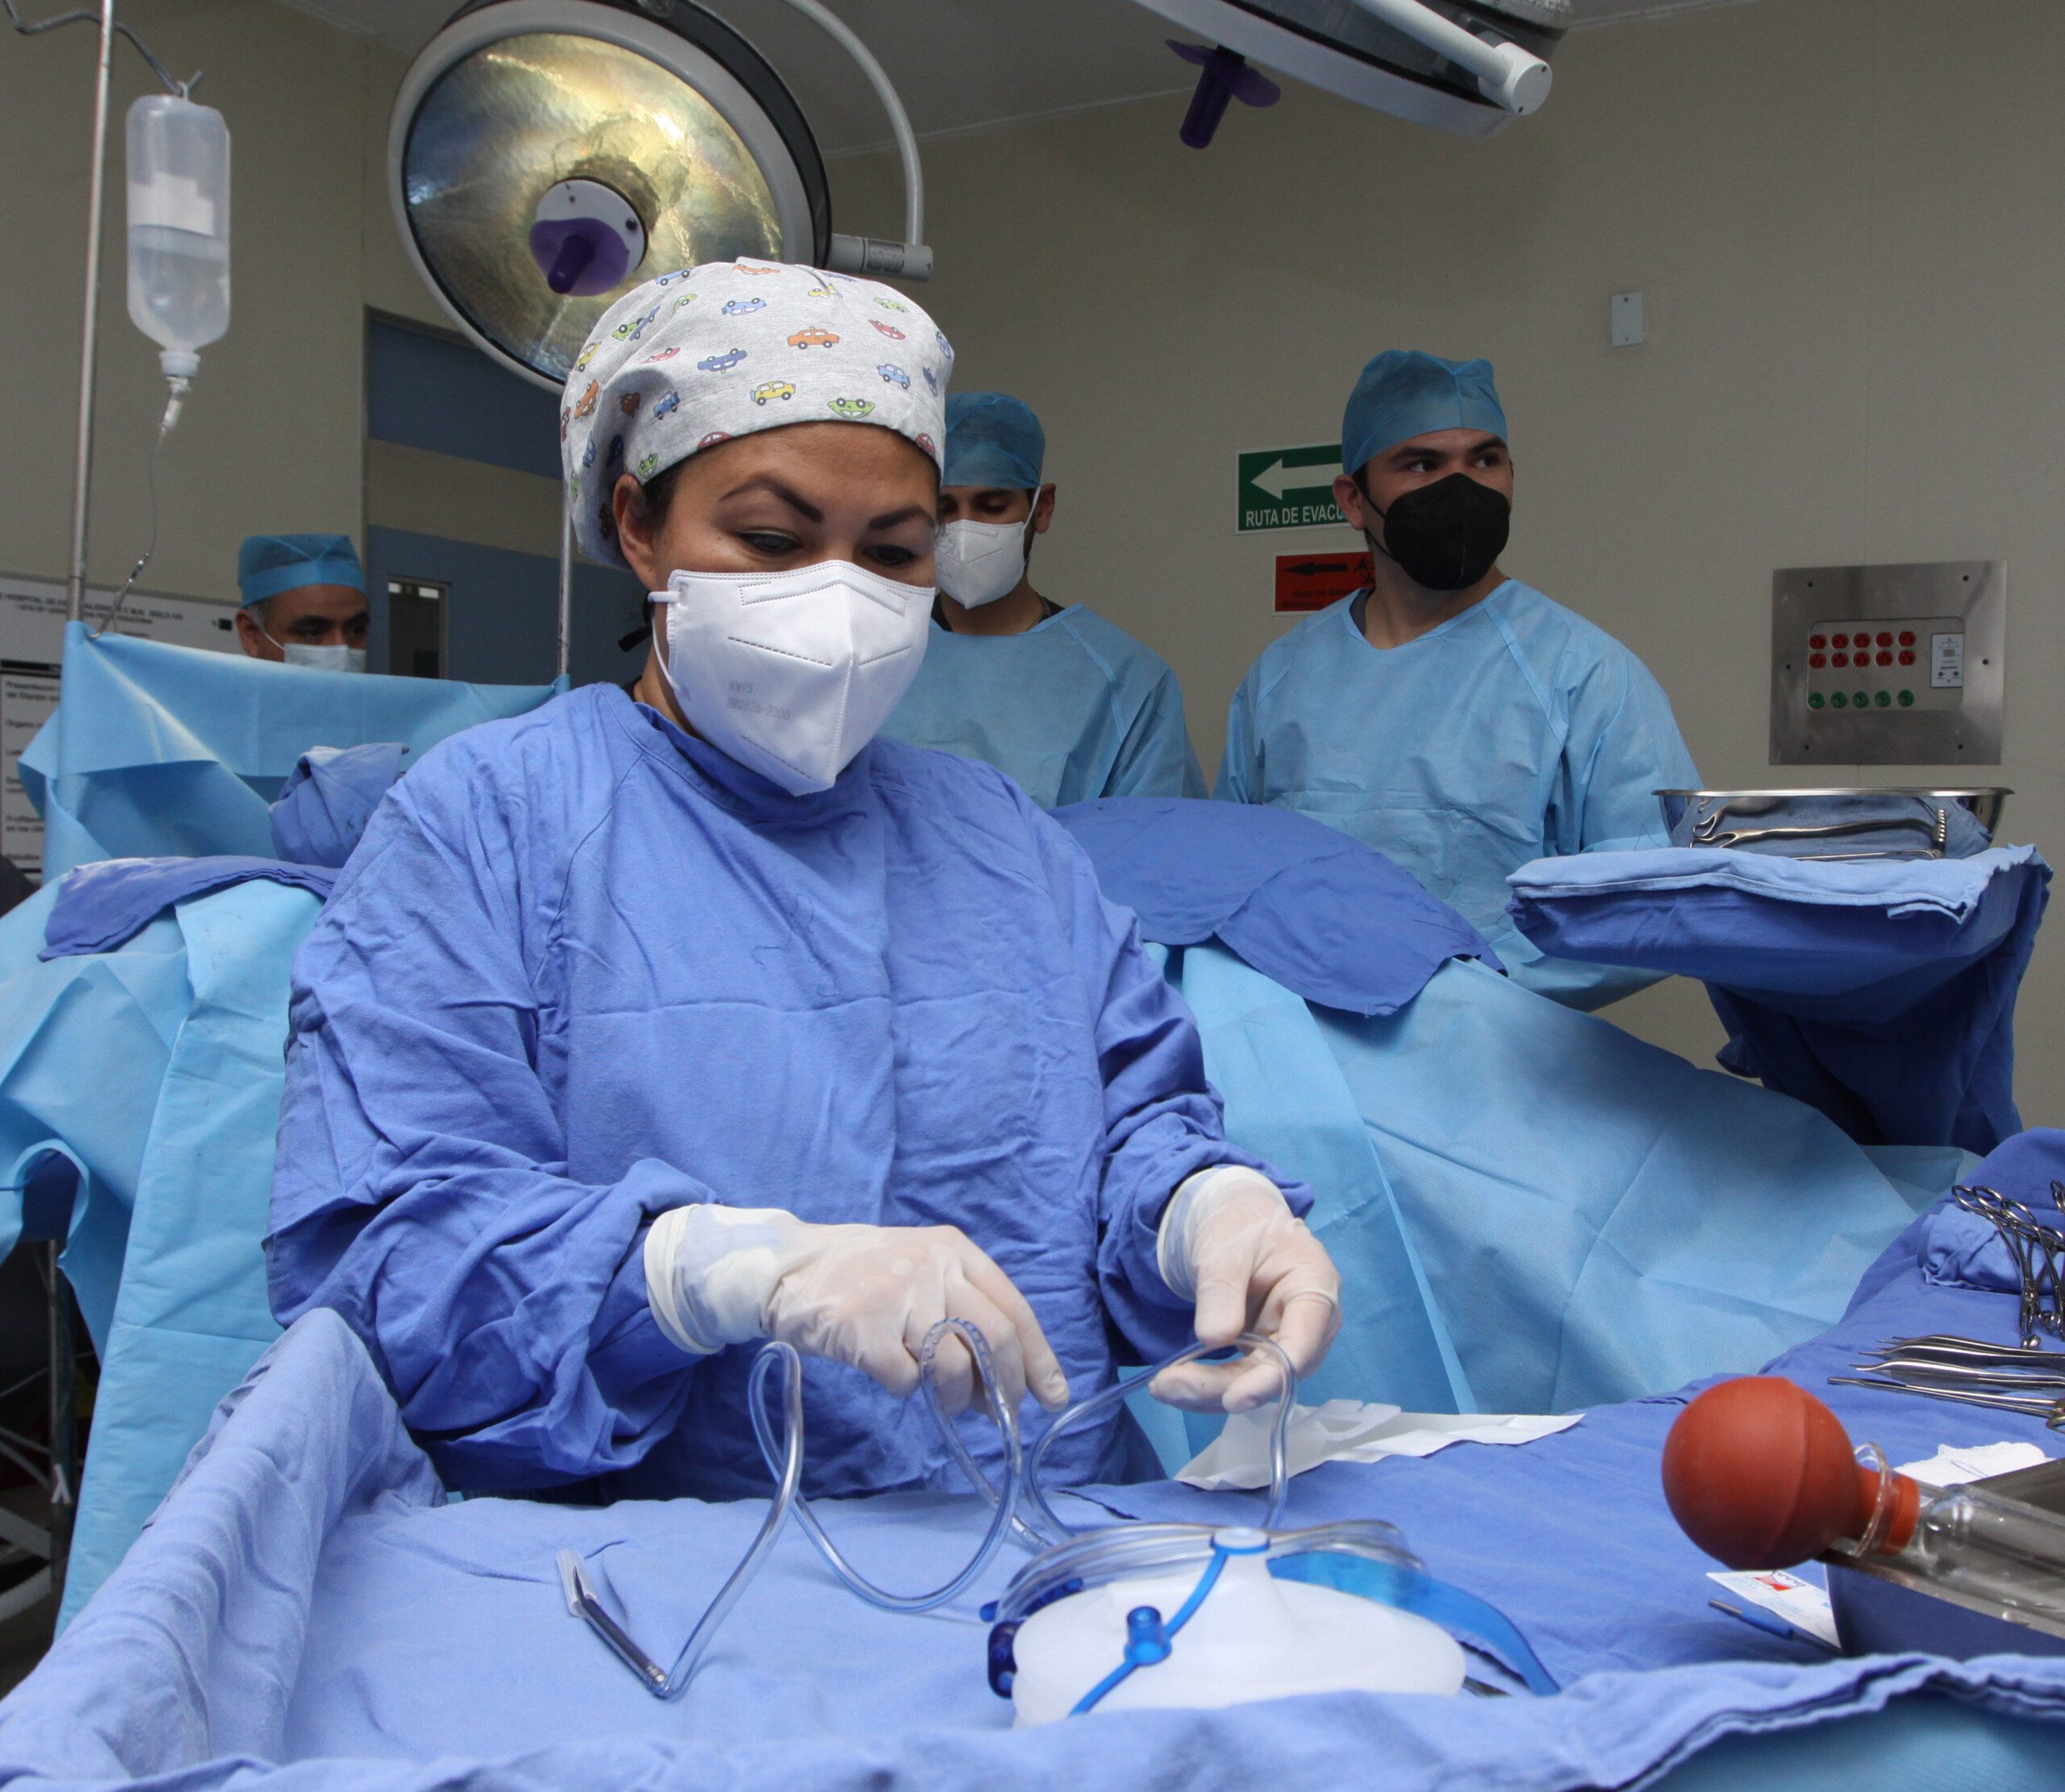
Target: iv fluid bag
178,225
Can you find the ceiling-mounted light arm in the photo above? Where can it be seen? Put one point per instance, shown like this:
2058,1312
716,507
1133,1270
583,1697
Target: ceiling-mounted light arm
1512,78
910,259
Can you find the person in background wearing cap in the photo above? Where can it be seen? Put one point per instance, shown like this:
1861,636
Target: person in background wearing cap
651,1025
1455,719
1070,706
304,602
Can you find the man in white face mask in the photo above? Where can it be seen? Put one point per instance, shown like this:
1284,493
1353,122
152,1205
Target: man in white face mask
1072,707
303,602
655,1023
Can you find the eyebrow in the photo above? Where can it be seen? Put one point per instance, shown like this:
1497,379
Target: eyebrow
766,483
1406,451
889,519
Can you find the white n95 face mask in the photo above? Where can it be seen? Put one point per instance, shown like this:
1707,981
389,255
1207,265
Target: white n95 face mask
324,659
792,674
979,562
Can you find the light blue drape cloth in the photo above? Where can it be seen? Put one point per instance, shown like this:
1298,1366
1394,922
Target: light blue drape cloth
158,751
159,1068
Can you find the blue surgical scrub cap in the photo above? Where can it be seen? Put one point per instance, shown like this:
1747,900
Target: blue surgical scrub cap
266,565
1403,393
993,439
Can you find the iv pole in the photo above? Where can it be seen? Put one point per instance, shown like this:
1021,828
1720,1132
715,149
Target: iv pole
63,1493
75,576
75,572
565,581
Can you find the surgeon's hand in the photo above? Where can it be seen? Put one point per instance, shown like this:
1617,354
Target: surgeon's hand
865,1295
1229,1241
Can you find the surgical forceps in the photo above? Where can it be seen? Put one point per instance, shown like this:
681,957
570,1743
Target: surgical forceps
1948,1347
2052,1412
1709,831
2037,1248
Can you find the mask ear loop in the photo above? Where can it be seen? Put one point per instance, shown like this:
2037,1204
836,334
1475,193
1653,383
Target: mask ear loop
1369,535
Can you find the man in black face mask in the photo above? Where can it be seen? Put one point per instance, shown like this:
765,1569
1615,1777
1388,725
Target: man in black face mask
1455,720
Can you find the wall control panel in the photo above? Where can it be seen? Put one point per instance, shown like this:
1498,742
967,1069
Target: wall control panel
1888,665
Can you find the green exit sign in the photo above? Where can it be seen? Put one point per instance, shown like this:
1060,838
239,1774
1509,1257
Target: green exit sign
1289,488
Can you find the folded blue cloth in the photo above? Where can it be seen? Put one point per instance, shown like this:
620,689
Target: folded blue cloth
1952,887
1881,992
1305,905
330,796
1957,1249
107,904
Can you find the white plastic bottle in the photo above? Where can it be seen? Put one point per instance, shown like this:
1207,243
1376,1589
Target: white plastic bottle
178,229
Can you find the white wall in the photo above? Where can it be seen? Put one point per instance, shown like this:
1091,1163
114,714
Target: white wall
272,437
1847,214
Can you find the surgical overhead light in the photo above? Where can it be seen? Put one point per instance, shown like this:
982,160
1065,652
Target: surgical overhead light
545,156
1469,67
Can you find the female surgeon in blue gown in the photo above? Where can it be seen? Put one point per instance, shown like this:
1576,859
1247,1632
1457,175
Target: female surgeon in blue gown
654,1024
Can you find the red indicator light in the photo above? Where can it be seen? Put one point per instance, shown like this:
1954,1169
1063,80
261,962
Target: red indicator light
1885,638
1841,658
1843,640
1885,659
1907,659
1817,640
1818,661
1907,637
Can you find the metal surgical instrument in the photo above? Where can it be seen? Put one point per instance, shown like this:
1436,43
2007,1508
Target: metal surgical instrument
1710,831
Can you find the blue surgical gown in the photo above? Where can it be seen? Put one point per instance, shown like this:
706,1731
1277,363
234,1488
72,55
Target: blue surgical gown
583,968
1515,730
1074,709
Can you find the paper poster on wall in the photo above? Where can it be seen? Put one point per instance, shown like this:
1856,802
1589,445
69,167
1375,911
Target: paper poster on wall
32,645
28,693
1306,582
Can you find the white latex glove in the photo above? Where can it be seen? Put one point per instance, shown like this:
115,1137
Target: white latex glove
865,1295
1229,1241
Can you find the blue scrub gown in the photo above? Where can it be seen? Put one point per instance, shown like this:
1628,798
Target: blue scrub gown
1074,709
583,969
1513,732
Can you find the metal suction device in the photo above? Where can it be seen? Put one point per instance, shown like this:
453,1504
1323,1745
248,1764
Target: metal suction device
546,156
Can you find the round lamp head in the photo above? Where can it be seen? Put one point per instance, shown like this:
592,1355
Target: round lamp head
545,156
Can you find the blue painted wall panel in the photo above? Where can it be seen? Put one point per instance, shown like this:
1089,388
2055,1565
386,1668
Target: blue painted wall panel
502,622
426,391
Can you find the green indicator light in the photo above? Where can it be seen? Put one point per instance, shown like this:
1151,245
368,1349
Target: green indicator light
1884,699
1861,700
1839,701
1813,700
1906,699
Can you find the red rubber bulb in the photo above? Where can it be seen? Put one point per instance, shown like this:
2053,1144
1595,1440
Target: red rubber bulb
1761,1475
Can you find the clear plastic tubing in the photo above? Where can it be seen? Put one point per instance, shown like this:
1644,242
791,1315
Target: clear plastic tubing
783,1455
178,180
2009,1554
